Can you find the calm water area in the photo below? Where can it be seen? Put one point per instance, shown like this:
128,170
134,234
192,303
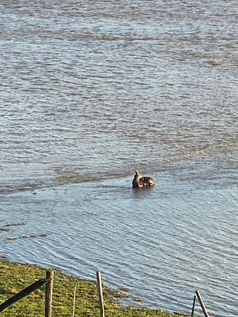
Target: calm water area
92,90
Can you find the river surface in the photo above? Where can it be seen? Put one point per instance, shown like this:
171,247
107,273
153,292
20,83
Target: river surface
91,90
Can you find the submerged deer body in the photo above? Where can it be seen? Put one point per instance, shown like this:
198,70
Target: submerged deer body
140,181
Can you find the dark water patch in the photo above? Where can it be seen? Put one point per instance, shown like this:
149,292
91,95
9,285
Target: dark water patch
5,229
10,226
23,237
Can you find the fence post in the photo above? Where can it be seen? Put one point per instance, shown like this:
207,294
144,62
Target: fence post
74,301
201,304
49,293
193,308
100,294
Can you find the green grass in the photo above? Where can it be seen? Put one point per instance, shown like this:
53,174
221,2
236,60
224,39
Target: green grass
14,277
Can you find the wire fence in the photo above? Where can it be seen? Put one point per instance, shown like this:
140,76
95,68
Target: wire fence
25,303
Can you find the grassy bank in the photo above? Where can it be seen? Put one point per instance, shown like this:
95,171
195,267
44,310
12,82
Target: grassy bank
14,277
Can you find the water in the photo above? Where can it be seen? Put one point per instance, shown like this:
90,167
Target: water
91,91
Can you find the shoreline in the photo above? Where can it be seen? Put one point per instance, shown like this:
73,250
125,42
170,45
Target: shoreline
15,276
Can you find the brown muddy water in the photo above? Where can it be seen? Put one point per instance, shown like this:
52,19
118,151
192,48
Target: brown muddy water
91,90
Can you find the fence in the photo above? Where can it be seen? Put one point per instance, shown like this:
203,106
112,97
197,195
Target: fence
200,300
101,305
48,281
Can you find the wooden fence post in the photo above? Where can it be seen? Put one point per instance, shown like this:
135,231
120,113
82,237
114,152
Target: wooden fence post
100,294
49,293
194,302
201,304
74,301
